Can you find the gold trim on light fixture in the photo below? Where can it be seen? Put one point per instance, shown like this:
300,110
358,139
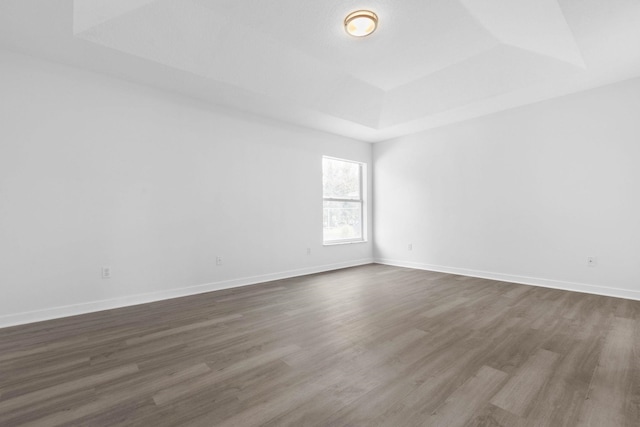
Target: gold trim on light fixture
361,23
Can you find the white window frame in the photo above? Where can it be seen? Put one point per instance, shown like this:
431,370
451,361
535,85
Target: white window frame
361,199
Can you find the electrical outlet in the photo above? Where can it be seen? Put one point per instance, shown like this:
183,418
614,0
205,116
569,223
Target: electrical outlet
218,260
106,272
308,251
592,261
410,247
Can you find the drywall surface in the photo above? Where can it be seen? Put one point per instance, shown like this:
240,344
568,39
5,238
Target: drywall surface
525,195
99,172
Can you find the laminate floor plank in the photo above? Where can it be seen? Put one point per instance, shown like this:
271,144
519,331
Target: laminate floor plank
175,392
84,383
366,346
519,392
492,416
462,405
614,392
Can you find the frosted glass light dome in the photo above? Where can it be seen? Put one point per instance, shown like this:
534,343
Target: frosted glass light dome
361,23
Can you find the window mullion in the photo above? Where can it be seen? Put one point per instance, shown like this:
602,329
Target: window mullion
331,199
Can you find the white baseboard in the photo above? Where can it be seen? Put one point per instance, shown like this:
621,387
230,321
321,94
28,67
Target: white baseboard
93,306
523,280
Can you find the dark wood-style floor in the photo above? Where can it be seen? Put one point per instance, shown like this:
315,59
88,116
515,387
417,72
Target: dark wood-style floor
366,346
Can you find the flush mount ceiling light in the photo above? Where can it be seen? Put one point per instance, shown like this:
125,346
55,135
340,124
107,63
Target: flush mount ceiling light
361,23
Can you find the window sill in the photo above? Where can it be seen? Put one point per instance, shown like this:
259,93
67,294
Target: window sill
343,243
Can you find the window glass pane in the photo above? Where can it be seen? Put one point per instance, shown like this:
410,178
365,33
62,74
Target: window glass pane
341,180
342,220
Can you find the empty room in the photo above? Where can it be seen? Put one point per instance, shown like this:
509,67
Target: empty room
320,213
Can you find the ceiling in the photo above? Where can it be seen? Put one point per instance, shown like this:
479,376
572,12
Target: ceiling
430,63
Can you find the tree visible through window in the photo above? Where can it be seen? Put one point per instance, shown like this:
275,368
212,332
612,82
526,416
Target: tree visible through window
343,209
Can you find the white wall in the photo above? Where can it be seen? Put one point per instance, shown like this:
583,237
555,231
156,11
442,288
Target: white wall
524,195
98,172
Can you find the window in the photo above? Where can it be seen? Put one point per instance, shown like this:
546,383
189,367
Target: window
343,210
